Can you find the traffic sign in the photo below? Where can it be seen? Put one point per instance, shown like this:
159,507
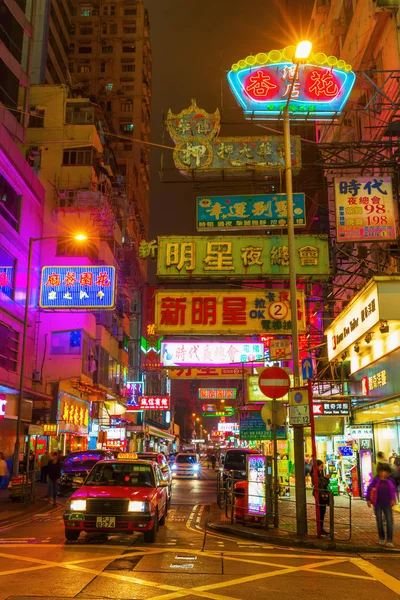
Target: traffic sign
298,396
299,415
274,382
307,368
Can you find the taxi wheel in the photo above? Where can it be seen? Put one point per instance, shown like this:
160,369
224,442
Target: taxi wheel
151,535
71,536
162,520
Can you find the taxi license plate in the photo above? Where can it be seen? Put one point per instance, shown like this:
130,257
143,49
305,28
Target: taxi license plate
105,522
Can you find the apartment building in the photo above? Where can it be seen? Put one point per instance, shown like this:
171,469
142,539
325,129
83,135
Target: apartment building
111,62
21,214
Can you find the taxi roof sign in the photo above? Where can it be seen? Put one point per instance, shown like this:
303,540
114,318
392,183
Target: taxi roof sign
127,456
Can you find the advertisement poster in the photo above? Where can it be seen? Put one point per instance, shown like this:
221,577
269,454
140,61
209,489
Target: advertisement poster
365,468
256,485
252,426
210,353
365,209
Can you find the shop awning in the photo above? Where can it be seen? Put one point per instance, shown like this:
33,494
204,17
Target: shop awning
160,433
378,412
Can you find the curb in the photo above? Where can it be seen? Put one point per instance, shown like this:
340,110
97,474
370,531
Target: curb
296,542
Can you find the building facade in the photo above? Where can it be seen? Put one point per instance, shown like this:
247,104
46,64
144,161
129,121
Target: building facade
21,216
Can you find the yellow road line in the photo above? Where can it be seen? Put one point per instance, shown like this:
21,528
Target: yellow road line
387,580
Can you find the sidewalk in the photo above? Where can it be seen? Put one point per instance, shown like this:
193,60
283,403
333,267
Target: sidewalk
13,511
360,536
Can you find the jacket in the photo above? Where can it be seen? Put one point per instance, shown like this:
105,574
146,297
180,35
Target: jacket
54,470
373,488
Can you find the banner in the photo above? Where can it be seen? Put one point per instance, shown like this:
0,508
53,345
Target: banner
365,209
227,312
209,372
210,353
248,212
184,257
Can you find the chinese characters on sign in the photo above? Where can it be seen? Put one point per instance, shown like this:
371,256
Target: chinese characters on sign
210,353
224,427
378,380
50,429
252,426
331,408
73,414
365,209
214,313
7,280
209,373
154,403
77,287
183,257
247,212
217,393
133,390
319,91
227,411
280,349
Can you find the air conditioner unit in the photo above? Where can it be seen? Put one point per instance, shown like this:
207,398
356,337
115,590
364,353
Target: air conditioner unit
36,377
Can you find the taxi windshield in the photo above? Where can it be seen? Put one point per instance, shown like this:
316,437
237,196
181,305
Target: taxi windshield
121,474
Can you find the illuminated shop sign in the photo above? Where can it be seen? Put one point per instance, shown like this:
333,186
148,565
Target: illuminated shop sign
378,380
50,429
224,427
209,373
73,414
248,212
154,402
218,313
365,209
3,404
331,409
218,353
217,393
227,411
256,469
78,287
318,89
133,390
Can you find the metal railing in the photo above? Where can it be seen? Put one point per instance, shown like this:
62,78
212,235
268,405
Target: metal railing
22,486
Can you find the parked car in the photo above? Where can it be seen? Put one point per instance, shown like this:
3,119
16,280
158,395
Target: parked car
235,460
186,465
119,496
76,466
161,460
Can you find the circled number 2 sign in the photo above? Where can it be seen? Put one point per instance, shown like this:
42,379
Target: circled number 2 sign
278,310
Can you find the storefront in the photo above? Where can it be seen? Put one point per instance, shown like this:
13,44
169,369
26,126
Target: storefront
158,440
8,422
73,423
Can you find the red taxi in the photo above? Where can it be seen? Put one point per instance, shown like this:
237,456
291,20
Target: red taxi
119,496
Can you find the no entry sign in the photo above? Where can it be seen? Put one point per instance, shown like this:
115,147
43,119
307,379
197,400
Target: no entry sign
274,382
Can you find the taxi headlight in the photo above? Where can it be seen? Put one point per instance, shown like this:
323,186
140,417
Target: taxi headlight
78,505
136,506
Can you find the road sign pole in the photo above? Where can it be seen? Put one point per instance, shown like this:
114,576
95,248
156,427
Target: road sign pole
314,459
276,482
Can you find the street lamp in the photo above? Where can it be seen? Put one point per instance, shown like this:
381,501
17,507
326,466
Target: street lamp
302,53
17,446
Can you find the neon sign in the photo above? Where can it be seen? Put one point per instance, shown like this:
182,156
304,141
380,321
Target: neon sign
3,404
154,402
318,90
78,287
217,393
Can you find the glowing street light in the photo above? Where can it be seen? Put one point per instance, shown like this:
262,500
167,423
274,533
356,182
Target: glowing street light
303,51
80,237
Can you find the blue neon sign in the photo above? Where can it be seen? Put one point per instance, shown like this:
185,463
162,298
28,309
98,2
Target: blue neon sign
83,287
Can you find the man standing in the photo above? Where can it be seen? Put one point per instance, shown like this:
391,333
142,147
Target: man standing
44,463
54,473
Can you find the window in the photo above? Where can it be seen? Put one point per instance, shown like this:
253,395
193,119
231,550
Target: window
77,156
9,343
36,117
66,342
102,67
7,269
113,28
130,11
86,12
70,247
10,203
126,127
130,28
128,88
84,49
105,10
84,69
109,87
128,48
103,363
104,28
107,49
128,68
126,106
86,29
112,10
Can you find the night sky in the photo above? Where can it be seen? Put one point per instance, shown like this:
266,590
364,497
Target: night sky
194,43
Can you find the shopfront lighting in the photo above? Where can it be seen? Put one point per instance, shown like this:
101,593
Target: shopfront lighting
384,327
368,338
303,51
356,348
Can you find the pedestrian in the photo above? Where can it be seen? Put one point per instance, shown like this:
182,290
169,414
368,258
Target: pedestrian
381,494
54,473
213,461
323,493
31,460
44,463
3,469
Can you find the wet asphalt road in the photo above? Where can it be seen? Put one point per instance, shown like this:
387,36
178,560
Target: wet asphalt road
36,563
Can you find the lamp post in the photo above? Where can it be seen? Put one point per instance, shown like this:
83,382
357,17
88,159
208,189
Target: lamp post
17,446
303,51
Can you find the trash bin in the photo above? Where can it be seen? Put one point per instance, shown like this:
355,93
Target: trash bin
241,500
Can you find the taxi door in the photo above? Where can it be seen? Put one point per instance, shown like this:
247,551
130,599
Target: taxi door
161,491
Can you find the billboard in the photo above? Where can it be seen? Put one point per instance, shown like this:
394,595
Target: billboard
209,372
238,312
210,353
262,84
80,287
252,426
365,209
256,211
184,257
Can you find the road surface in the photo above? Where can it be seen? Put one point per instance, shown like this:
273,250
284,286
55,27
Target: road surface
36,563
